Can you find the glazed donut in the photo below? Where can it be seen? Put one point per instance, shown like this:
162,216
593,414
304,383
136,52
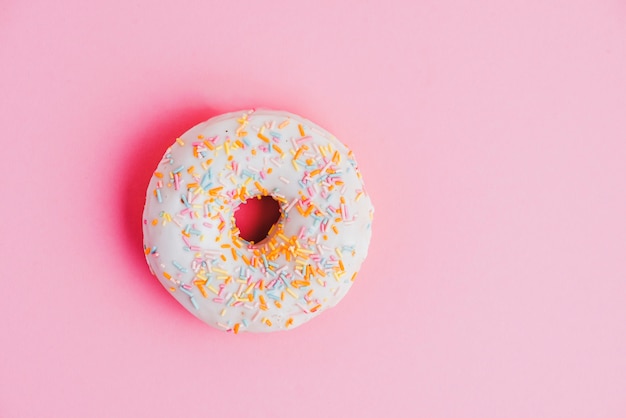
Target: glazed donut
311,256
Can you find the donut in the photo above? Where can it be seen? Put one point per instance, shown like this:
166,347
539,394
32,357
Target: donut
311,255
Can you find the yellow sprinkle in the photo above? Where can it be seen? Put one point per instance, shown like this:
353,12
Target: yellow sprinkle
180,141
283,124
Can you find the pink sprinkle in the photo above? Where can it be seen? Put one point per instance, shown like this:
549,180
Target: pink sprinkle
218,300
303,139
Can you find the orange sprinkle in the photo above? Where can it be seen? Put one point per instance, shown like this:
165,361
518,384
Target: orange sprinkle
335,230
288,322
155,222
159,175
200,287
232,250
236,328
277,148
300,283
209,145
315,308
263,137
283,124
301,129
353,277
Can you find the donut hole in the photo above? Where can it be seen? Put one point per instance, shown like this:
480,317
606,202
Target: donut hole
255,218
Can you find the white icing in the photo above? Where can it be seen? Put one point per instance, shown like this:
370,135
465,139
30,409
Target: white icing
189,226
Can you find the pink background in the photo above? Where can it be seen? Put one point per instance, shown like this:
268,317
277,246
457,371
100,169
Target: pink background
492,138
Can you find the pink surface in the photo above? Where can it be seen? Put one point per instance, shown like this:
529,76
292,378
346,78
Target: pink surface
492,139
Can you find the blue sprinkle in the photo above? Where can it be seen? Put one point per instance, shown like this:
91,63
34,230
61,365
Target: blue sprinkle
179,169
244,322
158,193
275,134
185,291
184,199
194,303
179,267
